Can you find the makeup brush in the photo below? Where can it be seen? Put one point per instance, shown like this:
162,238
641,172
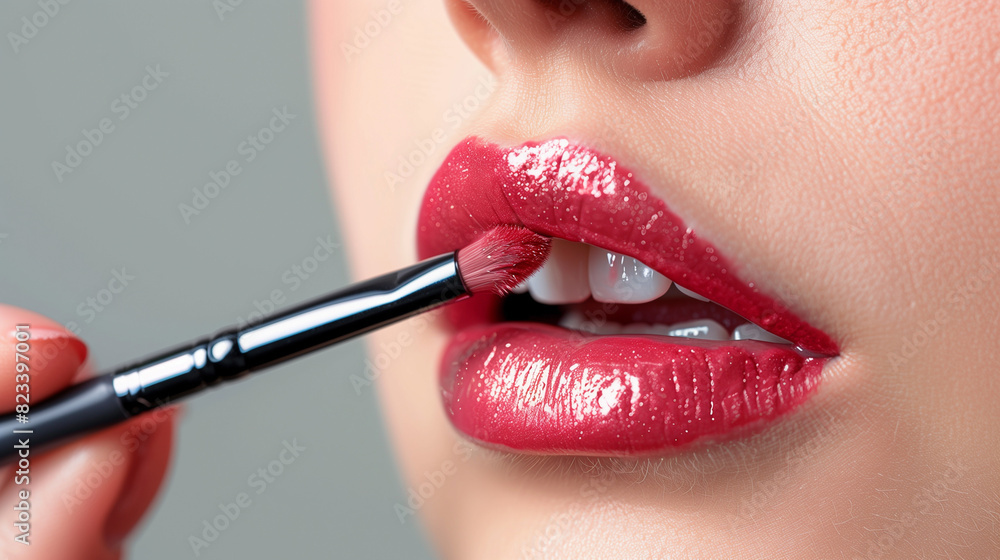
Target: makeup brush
495,263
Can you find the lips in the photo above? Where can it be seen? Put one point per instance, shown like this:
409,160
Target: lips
530,386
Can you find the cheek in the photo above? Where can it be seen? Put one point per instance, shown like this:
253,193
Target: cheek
911,115
383,115
892,149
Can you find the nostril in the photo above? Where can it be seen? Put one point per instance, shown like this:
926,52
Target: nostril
670,39
650,40
628,16
621,14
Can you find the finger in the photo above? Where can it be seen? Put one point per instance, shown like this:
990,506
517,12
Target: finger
82,498
38,358
54,528
49,356
86,496
149,438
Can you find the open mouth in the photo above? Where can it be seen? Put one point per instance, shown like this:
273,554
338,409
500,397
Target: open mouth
635,337
585,288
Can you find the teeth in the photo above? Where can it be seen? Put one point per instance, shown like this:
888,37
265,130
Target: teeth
705,329
690,294
574,320
563,277
575,272
615,278
749,331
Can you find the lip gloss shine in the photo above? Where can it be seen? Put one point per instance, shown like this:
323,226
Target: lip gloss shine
535,388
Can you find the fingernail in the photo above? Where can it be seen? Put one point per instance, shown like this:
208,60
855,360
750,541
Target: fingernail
60,339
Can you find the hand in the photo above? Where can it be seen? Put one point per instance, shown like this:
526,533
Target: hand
86,496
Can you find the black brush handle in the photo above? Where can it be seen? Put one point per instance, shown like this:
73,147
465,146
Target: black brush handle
85,407
169,376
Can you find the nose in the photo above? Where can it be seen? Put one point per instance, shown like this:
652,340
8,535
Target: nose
642,39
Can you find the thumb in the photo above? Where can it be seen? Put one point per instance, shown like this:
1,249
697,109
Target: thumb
81,499
48,354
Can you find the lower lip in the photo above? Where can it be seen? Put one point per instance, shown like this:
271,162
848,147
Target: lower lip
533,388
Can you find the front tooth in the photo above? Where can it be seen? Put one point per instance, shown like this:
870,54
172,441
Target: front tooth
690,294
615,278
705,329
563,277
750,331
521,288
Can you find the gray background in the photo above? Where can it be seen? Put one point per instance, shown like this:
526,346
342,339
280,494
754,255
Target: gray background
60,242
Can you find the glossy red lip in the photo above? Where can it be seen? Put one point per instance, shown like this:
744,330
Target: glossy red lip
530,387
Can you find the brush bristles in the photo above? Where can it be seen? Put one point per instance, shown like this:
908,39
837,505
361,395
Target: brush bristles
501,259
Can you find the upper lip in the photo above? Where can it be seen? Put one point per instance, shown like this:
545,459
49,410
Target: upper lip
551,188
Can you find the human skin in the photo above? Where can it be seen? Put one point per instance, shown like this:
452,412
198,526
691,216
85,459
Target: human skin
844,153
85,497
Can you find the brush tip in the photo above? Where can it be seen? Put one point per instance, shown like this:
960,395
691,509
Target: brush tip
501,259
